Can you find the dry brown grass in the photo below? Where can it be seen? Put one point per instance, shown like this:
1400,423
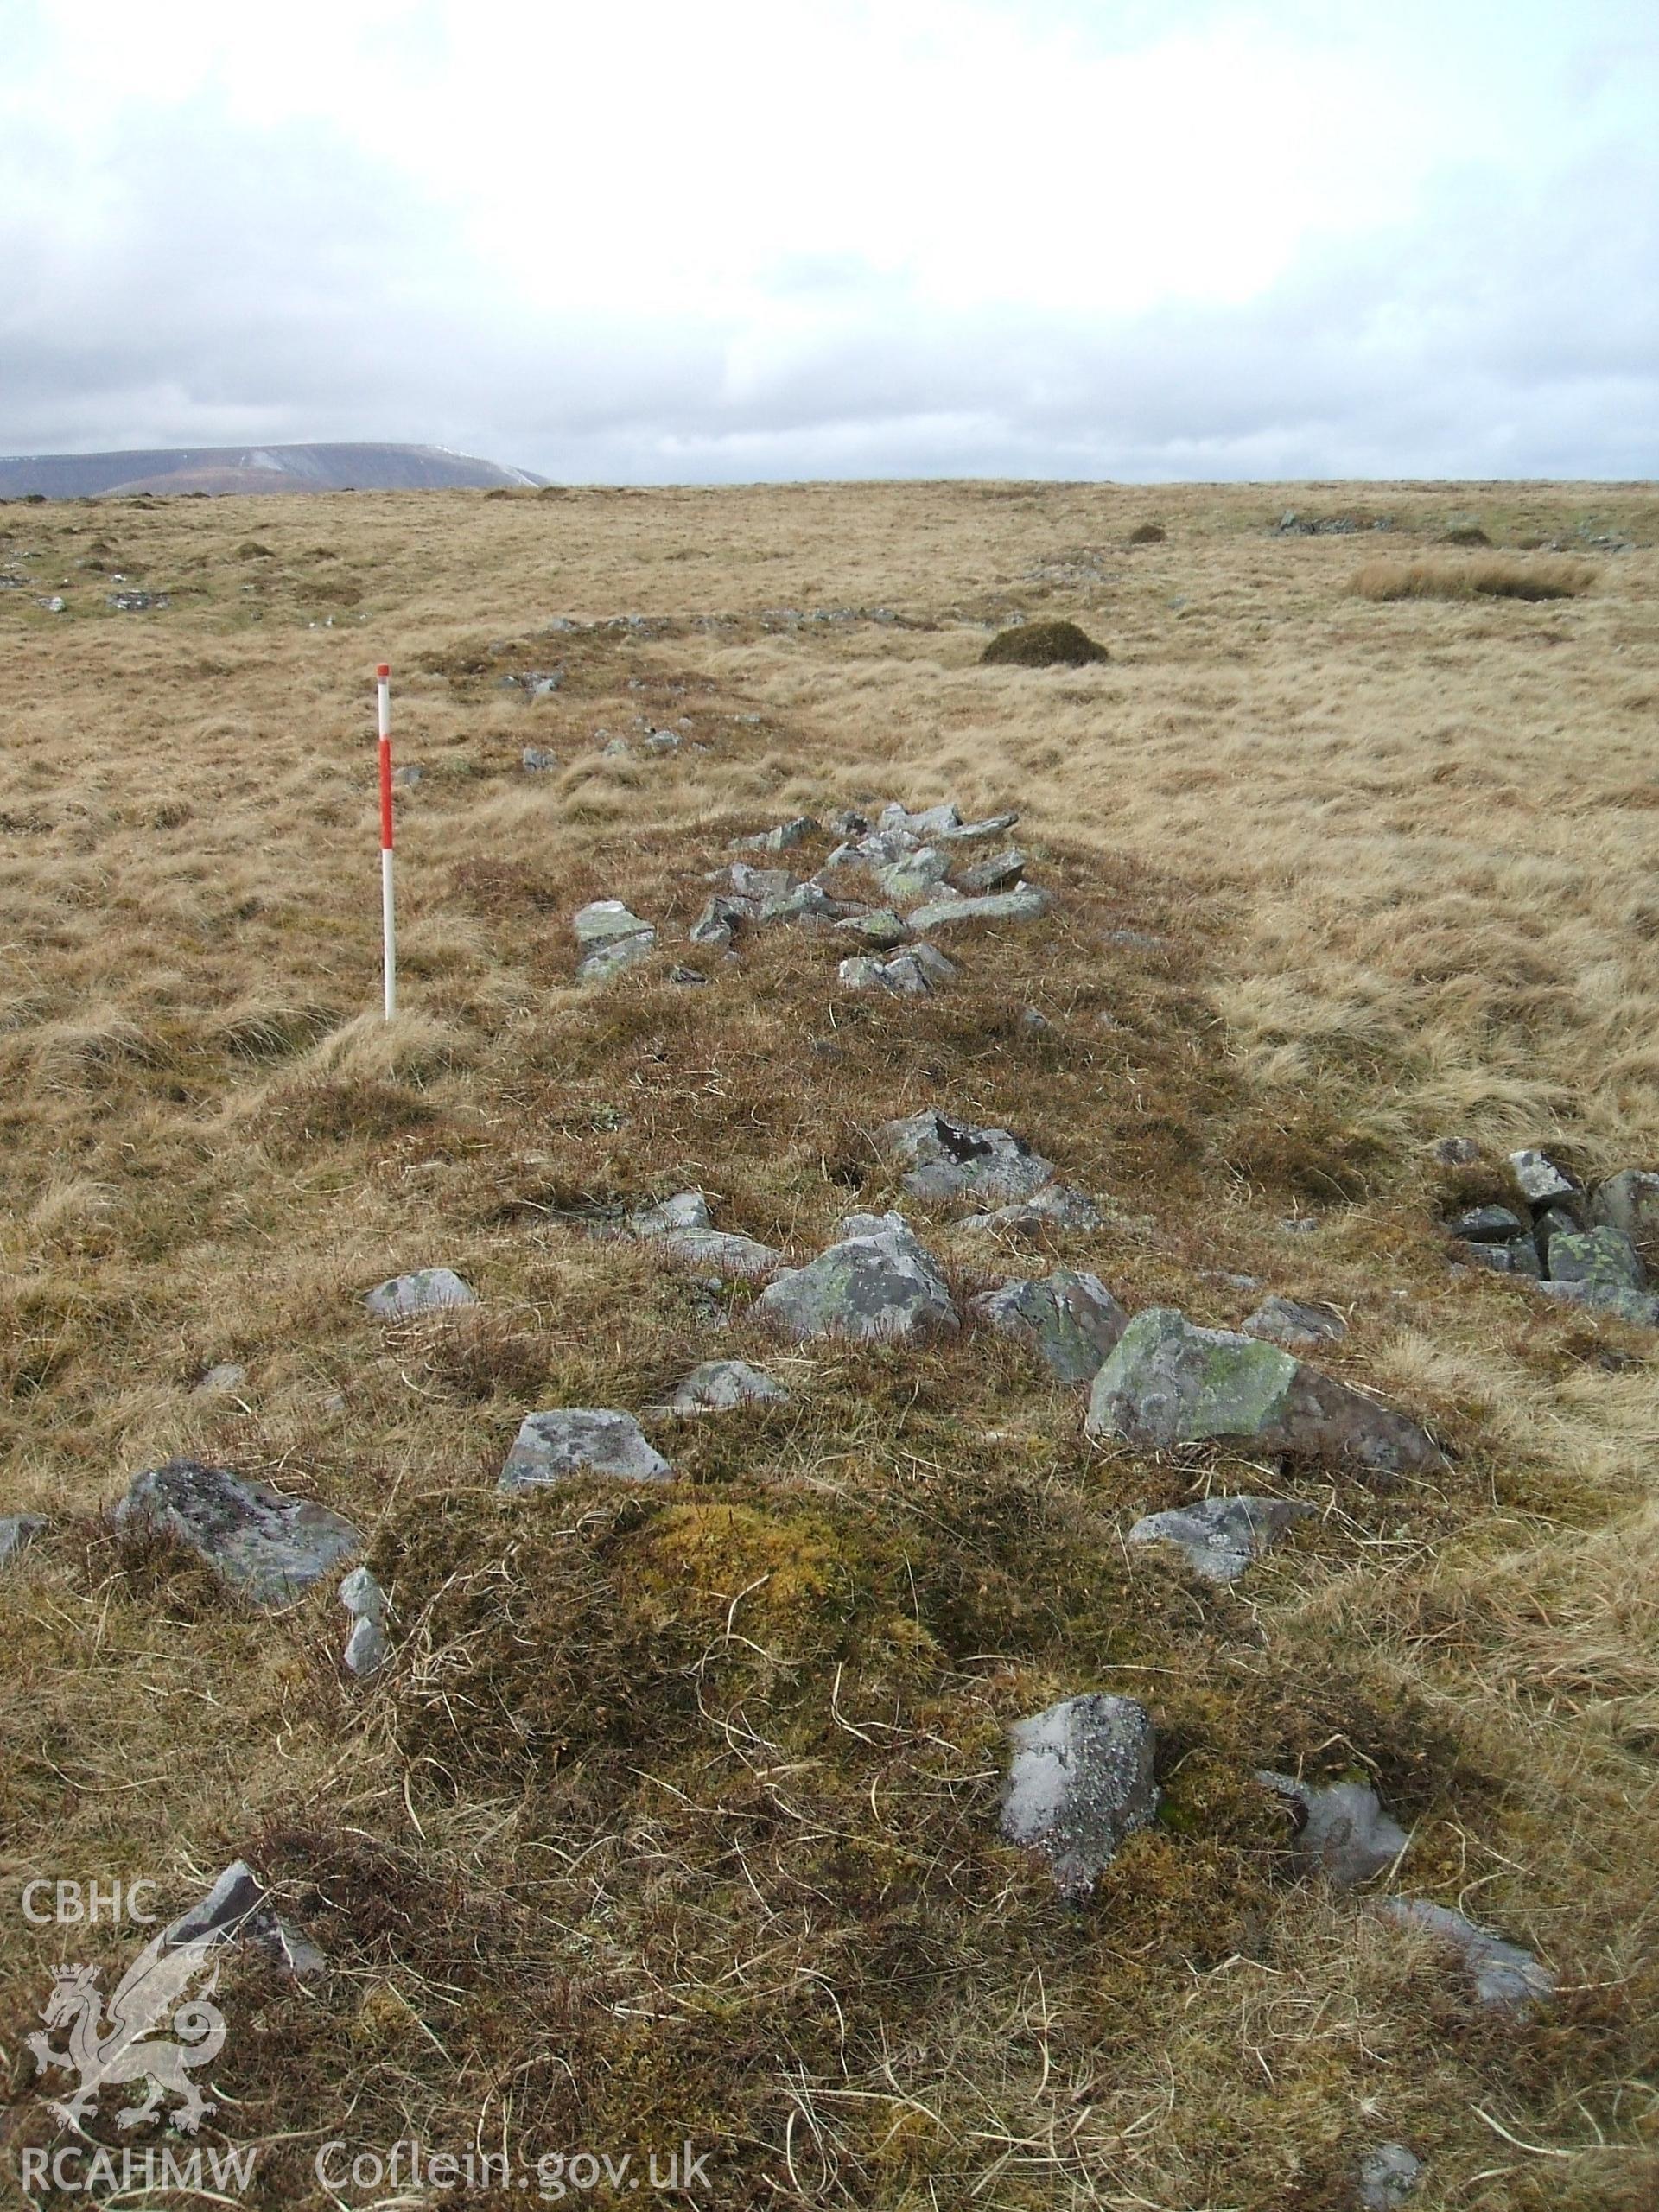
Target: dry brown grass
675,1816
1506,577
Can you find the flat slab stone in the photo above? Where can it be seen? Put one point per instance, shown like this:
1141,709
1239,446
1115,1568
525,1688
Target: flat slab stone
1520,1258
878,1281
1298,1328
1345,1834
947,1158
1078,1781
1003,868
1488,1225
881,932
1170,1383
1056,1206
269,1548
1506,1978
685,1210
1222,1536
717,1252
603,921
1539,1179
551,1446
1603,1258
428,1290
17,1532
1072,1319
1028,904
718,1386
615,957
237,1909
993,825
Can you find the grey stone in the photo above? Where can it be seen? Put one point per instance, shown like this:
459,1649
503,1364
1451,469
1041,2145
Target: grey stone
1558,1220
991,875
717,923
687,977
270,1547
848,823
1456,1151
930,960
663,740
720,1385
914,876
1386,2177
1506,1978
1070,1319
1025,904
1539,1179
55,605
1520,1259
783,838
718,1253
136,602
1034,1021
1136,941
615,957
1300,1224
580,1441
1299,1328
1488,1225
762,885
1222,1536
878,1281
606,921
407,777
537,760
428,1290
362,1596
1638,1306
1056,1206
367,1648
615,747
931,822
806,902
1629,1201
965,832
237,1909
1169,1383
685,1210
219,1381
882,930
885,847
947,1159
1604,1259
1078,1782
1345,1833
17,1532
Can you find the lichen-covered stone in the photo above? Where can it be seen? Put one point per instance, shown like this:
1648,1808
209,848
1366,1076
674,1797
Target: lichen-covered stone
1386,2177
615,957
1027,904
269,1548
1170,1383
946,1159
1629,1201
580,1441
1539,1179
1520,1258
1072,1319
719,1252
1506,1978
1345,1833
721,1385
879,1281
604,921
915,875
1298,1328
1079,1781
428,1290
1603,1259
1221,1535
881,932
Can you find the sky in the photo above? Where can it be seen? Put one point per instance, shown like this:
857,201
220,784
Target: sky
717,240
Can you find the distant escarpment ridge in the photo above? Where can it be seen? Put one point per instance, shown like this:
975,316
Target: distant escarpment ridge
253,468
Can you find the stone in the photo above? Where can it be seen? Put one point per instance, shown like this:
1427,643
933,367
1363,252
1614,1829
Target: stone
1170,1383
606,921
537,760
1519,1259
1603,1259
716,925
878,1281
806,902
1344,1832
362,1596
1056,1206
1507,1979
1221,1536
882,930
932,821
137,602
1300,1224
17,1532
1629,1201
1078,1782
762,885
1027,904
615,957
56,604
221,1381
1034,1021
965,832
237,1909
428,1290
783,838
1641,1307
1539,1179
687,977
1558,1220
663,740
848,823
914,876
685,1210
716,1252
946,1159
1456,1151
910,973
991,875
367,1648
930,960
1488,1225
407,777
720,1385
1072,1319
580,1441
269,1546
1386,2177
1299,1328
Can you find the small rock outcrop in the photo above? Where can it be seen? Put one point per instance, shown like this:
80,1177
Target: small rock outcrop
1072,1319
1170,1383
428,1290
1222,1536
1506,1978
1078,1781
682,1228
269,1548
878,1281
1344,1832
552,1446
718,1386
948,1160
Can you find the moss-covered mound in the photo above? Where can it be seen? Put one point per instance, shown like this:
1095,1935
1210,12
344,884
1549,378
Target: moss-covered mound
1043,645
1147,533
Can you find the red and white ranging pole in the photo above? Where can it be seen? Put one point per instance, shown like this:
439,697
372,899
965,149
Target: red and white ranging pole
388,913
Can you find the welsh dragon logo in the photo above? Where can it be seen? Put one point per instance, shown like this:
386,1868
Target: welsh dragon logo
110,2046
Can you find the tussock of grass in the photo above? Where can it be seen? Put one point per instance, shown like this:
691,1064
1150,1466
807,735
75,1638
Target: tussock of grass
1507,577
1043,645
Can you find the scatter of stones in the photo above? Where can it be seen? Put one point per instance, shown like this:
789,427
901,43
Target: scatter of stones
1079,1779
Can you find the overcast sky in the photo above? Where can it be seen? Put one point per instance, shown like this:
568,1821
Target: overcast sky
656,240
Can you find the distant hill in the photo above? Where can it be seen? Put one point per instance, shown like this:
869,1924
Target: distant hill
254,468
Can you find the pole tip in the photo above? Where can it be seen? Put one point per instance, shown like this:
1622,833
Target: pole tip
384,670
